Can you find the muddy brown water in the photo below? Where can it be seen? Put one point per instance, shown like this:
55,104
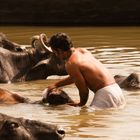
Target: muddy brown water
119,49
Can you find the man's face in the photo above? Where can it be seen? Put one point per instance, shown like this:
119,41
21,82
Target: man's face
59,53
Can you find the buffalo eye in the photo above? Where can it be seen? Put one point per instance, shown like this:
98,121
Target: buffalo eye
10,125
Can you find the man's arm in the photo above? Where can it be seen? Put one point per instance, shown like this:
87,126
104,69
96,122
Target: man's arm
80,83
63,82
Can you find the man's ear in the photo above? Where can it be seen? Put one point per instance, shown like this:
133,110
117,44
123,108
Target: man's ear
64,52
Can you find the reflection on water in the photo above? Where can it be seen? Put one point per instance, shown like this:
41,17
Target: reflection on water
118,49
119,59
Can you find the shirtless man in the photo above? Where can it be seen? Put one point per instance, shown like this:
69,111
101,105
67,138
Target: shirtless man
87,73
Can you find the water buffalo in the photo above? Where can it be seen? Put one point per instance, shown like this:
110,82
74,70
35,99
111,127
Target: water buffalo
55,97
131,82
12,128
7,97
36,63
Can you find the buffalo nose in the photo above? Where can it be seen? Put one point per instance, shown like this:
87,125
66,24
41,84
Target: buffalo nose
61,132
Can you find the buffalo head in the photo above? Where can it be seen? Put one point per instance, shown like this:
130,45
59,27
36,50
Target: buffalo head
128,82
36,62
15,65
56,97
23,129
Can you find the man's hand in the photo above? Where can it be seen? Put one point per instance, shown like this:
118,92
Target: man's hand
74,104
50,88
47,91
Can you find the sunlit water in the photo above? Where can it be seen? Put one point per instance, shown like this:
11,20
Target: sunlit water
118,48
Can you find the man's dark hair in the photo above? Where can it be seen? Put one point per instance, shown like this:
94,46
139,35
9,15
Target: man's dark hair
60,41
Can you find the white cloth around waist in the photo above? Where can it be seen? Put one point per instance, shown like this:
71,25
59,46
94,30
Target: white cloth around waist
108,97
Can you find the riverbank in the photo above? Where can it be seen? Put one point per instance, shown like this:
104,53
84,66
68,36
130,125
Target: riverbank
79,12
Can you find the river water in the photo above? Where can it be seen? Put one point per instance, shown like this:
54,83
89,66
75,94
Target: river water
118,49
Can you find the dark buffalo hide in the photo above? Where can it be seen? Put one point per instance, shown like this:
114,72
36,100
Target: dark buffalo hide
45,68
14,66
35,63
12,128
56,97
131,82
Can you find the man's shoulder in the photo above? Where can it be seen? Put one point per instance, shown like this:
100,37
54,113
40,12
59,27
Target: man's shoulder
82,50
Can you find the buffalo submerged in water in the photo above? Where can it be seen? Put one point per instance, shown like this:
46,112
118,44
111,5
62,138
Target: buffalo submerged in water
55,97
12,128
35,63
130,82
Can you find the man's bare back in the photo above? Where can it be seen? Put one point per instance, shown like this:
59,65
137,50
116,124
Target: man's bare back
93,71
